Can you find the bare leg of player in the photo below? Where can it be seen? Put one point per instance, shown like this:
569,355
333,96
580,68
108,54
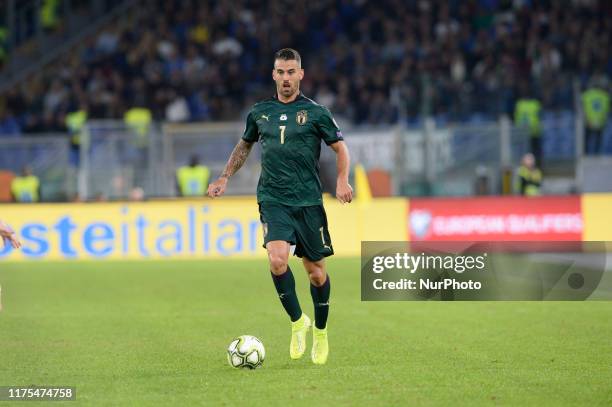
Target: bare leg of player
278,256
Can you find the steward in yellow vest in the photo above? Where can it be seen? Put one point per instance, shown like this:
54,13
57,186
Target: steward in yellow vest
49,17
596,108
527,116
75,123
26,188
529,177
3,44
138,119
192,179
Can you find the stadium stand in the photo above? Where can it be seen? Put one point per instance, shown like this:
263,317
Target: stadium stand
448,71
199,61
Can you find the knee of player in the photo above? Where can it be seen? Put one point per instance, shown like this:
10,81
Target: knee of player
278,264
317,277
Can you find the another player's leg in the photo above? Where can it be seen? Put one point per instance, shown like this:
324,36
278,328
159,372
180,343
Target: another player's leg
278,255
319,290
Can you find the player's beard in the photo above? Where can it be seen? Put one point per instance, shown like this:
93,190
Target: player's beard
288,91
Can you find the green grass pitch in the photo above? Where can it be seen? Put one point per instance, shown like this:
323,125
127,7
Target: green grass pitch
155,333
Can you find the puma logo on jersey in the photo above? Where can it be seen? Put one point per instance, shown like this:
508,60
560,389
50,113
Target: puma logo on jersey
263,116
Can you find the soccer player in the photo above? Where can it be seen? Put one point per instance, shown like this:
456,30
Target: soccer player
290,128
8,237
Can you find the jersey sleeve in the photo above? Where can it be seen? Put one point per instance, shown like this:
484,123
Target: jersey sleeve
329,130
251,133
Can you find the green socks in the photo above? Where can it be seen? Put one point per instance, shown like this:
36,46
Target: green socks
320,299
285,287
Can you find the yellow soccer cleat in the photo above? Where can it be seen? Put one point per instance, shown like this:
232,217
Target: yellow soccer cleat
320,347
299,329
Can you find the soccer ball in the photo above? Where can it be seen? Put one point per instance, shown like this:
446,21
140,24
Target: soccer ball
246,352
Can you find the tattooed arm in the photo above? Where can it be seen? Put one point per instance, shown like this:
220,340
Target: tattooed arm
236,160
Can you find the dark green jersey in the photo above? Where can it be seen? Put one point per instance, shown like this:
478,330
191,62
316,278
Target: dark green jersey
290,135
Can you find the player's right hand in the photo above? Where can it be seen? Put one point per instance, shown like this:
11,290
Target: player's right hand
344,192
9,236
217,188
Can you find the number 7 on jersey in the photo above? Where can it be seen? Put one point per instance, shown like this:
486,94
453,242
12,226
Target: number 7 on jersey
282,133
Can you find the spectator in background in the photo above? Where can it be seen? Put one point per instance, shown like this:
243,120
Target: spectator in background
178,109
49,16
527,115
3,44
203,60
137,194
8,124
596,108
529,177
192,179
26,187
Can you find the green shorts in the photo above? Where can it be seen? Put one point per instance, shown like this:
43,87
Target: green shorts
303,226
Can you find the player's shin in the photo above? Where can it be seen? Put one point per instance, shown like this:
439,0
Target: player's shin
320,299
285,287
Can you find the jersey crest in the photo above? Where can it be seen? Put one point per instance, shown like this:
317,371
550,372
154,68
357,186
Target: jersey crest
301,117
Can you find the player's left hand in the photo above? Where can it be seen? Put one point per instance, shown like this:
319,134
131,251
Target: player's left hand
344,191
9,236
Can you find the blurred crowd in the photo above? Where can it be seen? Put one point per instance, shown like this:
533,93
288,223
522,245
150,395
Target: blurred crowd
370,62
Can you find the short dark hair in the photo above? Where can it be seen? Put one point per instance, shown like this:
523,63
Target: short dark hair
194,160
288,54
